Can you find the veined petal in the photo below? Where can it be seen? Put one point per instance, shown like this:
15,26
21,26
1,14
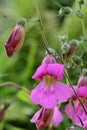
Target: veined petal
44,96
57,116
56,70
63,92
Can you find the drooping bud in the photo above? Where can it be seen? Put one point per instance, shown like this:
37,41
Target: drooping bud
15,40
65,11
42,118
49,59
83,79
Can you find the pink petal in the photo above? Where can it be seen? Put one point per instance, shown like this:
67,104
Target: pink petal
35,117
56,69
63,92
41,71
44,96
76,113
82,91
85,124
57,116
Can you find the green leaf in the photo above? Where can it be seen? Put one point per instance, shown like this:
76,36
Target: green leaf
24,96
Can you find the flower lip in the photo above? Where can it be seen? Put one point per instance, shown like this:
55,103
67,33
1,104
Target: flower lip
54,69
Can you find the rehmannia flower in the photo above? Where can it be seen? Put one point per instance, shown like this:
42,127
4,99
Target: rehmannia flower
76,112
15,40
44,116
49,91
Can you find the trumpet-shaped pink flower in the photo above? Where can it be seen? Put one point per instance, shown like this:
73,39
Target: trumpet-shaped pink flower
15,40
44,116
49,91
77,112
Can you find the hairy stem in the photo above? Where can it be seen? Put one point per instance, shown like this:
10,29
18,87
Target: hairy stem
42,27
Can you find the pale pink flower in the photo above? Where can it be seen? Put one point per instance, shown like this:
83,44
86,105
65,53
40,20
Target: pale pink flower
49,91
15,40
44,116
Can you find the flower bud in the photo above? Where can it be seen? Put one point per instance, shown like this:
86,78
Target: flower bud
49,59
65,11
83,79
70,51
15,40
42,118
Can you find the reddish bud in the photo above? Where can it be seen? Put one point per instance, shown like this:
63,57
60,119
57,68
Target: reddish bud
15,40
70,51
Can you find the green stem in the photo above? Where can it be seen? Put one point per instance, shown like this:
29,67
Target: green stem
42,27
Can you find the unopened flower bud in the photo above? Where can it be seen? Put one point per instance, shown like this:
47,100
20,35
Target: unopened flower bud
83,79
49,59
15,40
65,11
70,51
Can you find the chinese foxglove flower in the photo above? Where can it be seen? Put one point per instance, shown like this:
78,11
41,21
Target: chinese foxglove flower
76,112
49,91
44,116
15,40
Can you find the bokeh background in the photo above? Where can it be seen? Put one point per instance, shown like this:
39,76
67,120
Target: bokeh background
20,67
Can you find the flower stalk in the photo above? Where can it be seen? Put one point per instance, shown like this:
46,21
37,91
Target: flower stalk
42,28
14,85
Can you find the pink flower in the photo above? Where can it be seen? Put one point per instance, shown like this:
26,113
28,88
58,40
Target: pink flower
44,116
49,91
76,112
15,40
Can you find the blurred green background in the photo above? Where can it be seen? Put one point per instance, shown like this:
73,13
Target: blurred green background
20,67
